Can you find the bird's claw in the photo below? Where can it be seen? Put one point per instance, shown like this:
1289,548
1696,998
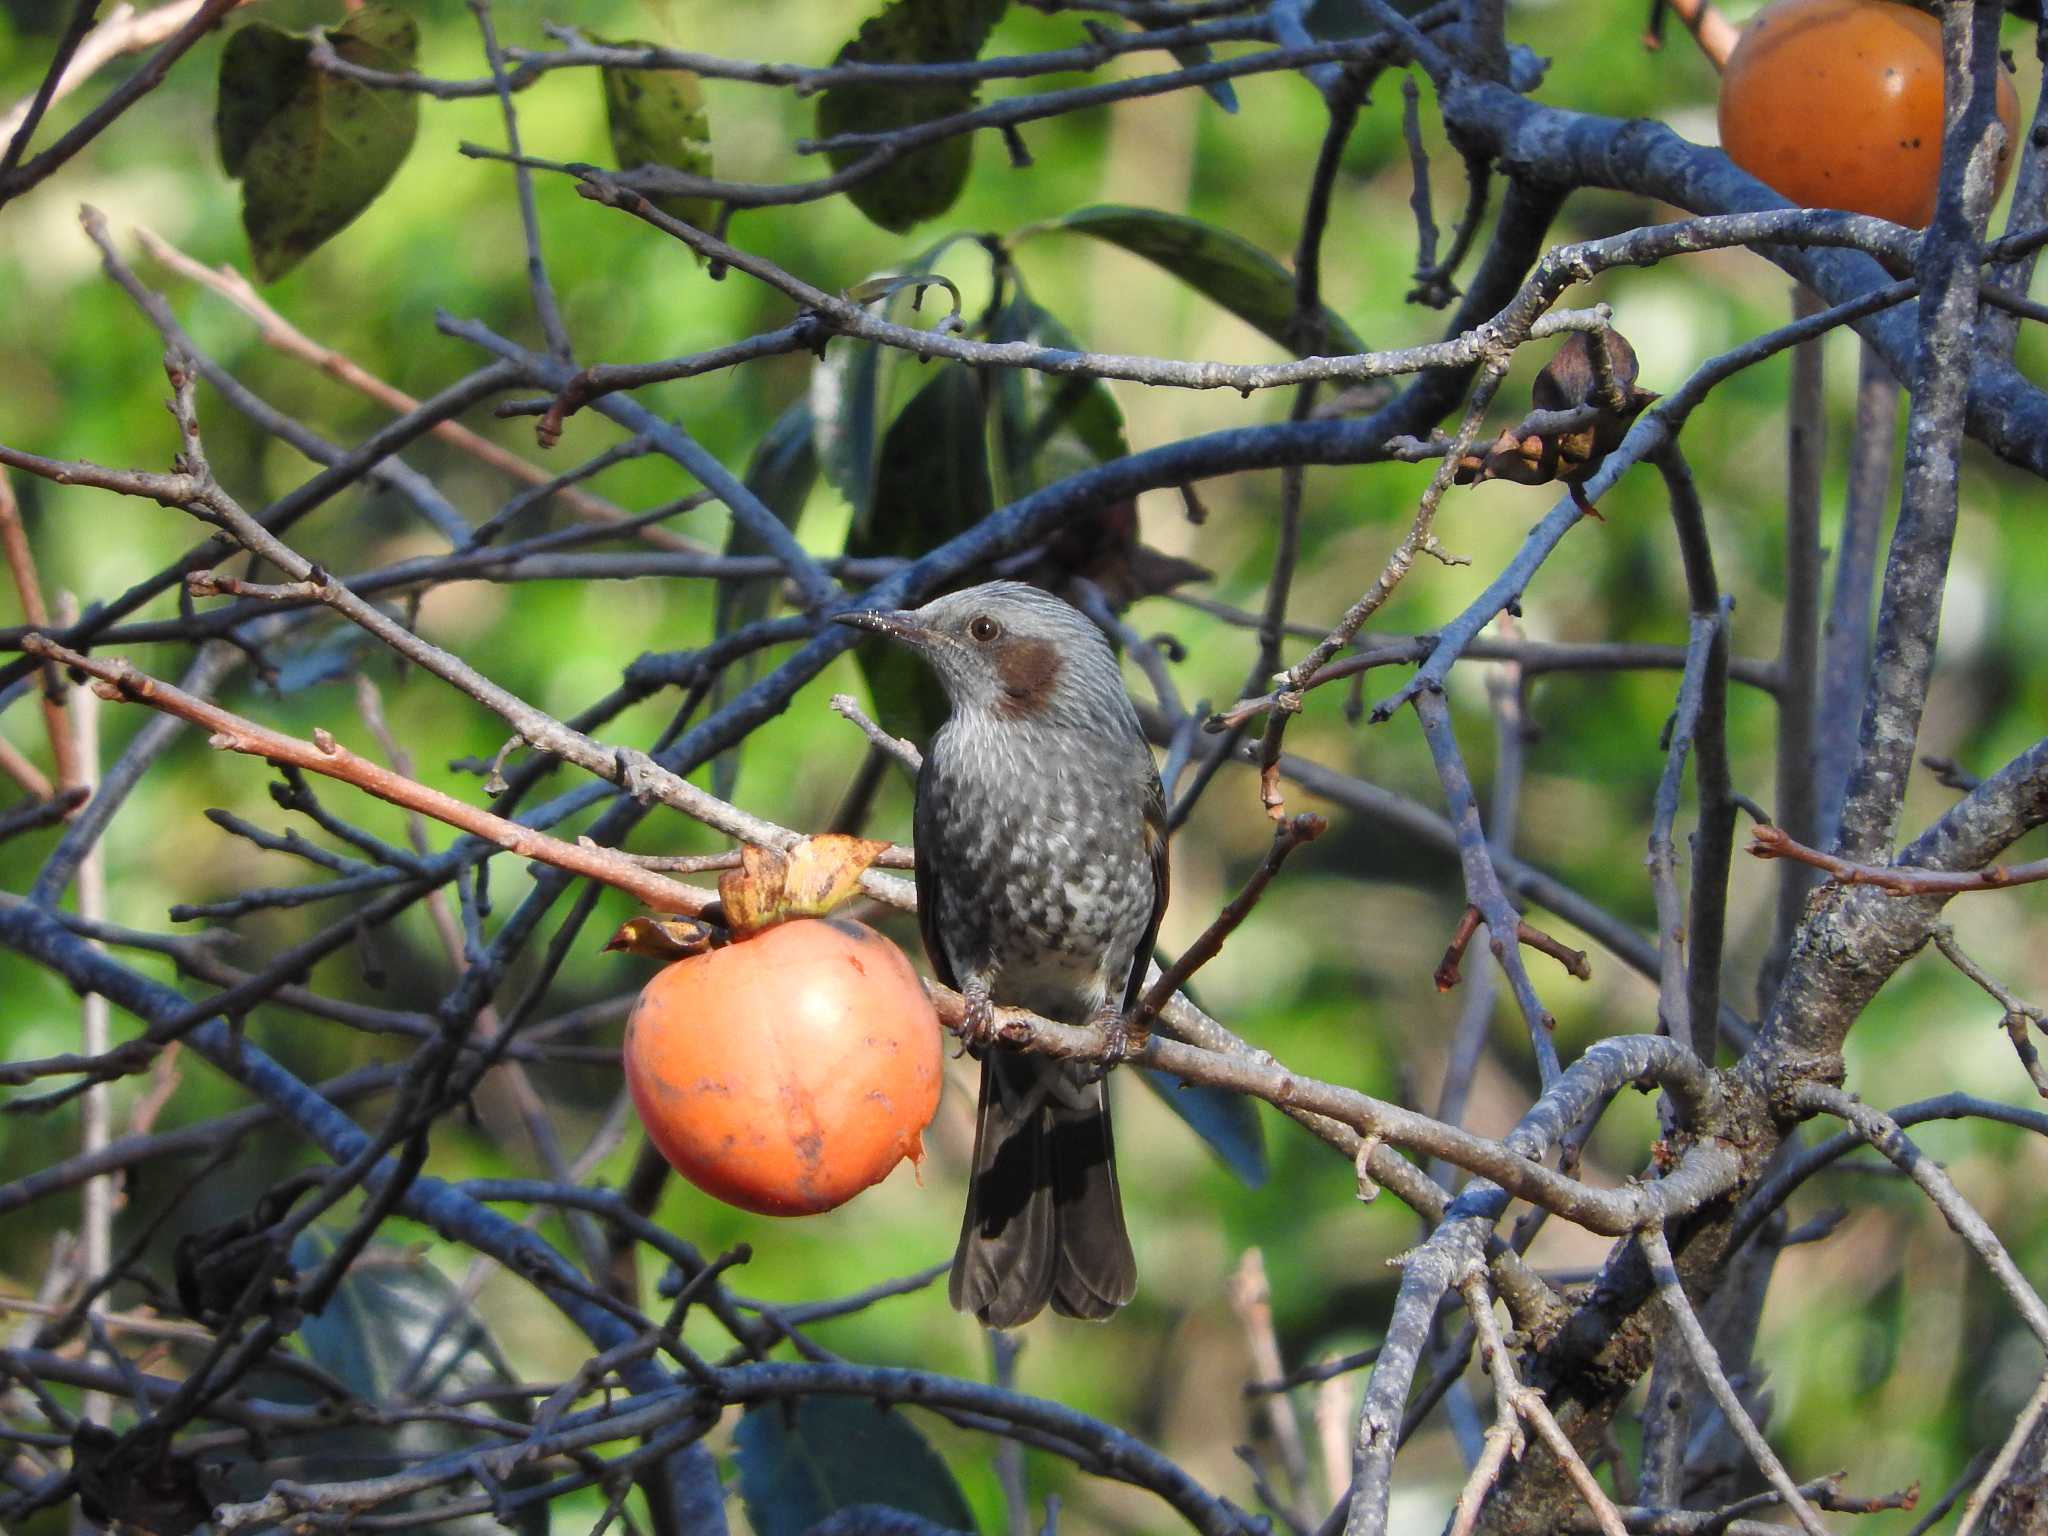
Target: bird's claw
978,1023
1120,1042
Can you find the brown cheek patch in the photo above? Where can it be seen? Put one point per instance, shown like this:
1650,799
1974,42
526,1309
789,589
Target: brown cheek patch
1027,670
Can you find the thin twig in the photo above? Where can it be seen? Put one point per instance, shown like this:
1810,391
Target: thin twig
1252,1300
1287,837
278,332
1885,1134
1899,880
120,680
902,752
2021,1018
1664,1273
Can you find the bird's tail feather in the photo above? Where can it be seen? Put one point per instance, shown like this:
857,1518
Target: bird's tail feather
1044,1220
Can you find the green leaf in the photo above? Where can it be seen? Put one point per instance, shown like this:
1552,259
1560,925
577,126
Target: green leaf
801,1461
396,1327
781,473
858,388
261,69
1222,92
657,117
310,149
1219,265
924,183
1048,426
931,474
931,482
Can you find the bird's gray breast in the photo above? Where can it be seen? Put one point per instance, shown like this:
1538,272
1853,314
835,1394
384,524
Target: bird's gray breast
1045,875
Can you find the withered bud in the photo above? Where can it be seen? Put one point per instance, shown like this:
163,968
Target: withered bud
1570,380
1570,377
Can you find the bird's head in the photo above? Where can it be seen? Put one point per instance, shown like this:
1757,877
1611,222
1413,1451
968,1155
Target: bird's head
1012,653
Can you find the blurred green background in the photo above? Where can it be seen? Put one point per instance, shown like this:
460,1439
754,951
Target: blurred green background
1888,1355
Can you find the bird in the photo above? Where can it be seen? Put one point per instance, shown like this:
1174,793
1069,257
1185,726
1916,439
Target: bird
1041,864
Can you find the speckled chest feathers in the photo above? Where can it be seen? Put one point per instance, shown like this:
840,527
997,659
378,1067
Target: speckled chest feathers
1041,829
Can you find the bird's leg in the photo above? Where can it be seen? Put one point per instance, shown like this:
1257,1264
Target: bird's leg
1120,1039
978,1022
1579,499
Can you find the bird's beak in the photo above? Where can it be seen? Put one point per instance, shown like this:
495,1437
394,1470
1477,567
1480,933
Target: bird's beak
898,624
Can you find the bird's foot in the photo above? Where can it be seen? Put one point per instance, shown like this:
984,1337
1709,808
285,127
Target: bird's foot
1579,498
1120,1041
978,1024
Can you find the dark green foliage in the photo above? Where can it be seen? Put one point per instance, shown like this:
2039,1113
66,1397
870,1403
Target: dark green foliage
924,183
312,150
801,1461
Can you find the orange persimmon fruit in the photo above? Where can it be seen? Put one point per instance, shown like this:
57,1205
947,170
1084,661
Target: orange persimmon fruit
1837,104
787,1072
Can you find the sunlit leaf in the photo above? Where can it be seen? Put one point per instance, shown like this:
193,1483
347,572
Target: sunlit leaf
1221,266
809,880
656,937
801,1461
657,117
312,150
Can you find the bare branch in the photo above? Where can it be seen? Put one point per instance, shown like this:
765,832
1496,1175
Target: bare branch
1899,880
1687,1323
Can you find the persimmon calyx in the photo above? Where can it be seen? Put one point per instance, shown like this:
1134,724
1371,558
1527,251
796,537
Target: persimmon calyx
655,937
774,885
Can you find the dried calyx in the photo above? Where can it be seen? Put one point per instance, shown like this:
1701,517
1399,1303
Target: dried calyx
772,885
1592,377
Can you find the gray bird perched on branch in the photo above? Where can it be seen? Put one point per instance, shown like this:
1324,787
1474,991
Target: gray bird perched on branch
1041,876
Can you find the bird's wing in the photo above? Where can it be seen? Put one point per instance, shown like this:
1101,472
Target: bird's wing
926,870
1155,844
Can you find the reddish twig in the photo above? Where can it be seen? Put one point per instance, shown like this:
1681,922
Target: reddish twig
1527,933
277,332
21,565
1287,837
120,680
28,775
1899,880
1710,28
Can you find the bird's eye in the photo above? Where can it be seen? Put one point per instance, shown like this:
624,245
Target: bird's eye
984,629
